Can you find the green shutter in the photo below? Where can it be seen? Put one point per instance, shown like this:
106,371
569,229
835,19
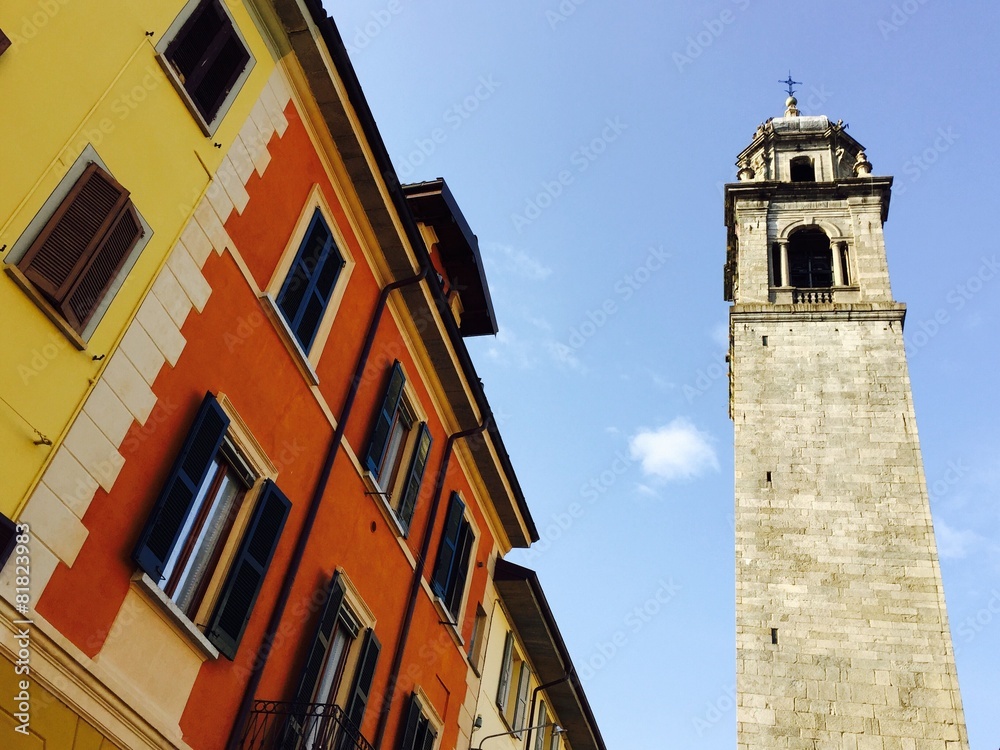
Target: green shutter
190,467
384,419
429,736
459,568
521,709
363,679
316,659
543,719
412,725
449,546
503,689
246,575
414,476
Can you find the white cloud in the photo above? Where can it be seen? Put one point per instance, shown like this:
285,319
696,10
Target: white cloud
519,262
678,450
953,543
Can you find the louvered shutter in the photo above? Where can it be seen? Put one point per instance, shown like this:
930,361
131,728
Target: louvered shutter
503,689
177,496
521,709
363,678
543,719
448,549
78,253
412,726
316,659
246,574
459,568
415,475
429,736
208,56
106,261
384,419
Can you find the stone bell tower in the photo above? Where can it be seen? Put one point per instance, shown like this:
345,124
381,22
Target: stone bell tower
842,637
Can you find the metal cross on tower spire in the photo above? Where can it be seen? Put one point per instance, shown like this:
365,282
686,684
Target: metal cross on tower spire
789,83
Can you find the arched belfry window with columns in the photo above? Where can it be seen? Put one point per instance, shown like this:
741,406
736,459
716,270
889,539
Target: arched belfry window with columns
810,262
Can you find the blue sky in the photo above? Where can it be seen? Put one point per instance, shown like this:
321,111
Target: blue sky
587,143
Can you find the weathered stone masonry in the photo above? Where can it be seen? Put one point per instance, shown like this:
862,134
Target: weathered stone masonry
842,634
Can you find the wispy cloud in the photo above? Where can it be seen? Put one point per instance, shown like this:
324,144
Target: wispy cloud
678,450
511,350
954,543
518,262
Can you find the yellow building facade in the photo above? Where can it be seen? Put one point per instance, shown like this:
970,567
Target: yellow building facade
92,83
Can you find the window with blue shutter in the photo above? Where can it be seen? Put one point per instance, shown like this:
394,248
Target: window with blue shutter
310,282
357,702
452,564
181,547
385,418
414,477
246,574
418,734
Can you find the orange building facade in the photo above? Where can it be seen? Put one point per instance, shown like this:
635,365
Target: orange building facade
275,520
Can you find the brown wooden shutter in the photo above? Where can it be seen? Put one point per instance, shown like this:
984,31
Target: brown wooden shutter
4,42
80,250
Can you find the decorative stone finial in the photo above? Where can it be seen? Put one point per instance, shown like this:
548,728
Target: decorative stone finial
745,172
790,109
862,166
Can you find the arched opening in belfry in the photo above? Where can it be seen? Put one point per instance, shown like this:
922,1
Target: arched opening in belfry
809,259
802,169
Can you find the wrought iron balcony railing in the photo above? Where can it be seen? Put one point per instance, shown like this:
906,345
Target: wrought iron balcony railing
277,725
812,296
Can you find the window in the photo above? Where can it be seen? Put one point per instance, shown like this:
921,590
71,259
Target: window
310,282
512,696
4,42
75,258
206,497
802,169
478,641
334,649
418,733
540,733
506,671
207,58
452,564
809,260
393,436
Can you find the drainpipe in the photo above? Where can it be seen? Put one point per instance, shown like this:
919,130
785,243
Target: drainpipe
418,573
260,660
534,698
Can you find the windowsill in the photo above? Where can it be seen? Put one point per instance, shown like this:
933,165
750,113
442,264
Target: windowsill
178,619
300,358
45,306
379,496
448,619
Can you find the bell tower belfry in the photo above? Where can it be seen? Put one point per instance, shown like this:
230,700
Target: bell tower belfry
842,638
